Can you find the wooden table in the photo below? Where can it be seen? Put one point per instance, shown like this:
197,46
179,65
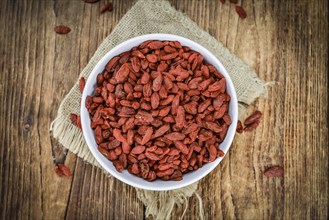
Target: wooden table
285,41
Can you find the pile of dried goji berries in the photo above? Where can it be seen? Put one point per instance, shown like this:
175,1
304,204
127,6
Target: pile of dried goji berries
159,110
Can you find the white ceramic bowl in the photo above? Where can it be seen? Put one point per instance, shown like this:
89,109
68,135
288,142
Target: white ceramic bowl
126,177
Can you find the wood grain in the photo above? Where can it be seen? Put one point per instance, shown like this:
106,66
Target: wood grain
284,41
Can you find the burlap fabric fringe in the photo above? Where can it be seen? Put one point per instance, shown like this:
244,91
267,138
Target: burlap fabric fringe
145,17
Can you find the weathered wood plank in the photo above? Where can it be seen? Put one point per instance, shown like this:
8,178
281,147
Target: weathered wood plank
286,42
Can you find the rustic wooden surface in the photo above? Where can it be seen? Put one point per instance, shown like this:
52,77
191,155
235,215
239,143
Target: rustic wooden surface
285,41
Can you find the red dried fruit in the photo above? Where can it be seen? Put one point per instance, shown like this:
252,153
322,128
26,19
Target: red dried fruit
145,78
204,84
275,171
252,126
162,130
82,83
122,73
151,156
62,29
157,83
239,127
64,169
152,58
216,86
73,118
112,63
155,44
214,126
220,153
147,135
164,166
137,53
103,151
118,165
241,12
180,117
107,7
58,171
76,120
204,105
255,116
227,119
175,136
117,134
155,100
169,56
181,146
138,149
79,122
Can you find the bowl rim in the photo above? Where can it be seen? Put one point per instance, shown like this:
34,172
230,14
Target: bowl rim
184,41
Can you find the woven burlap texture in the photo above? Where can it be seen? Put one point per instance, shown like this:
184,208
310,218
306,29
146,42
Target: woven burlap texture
146,17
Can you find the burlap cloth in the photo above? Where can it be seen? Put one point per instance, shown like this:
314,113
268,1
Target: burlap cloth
145,17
